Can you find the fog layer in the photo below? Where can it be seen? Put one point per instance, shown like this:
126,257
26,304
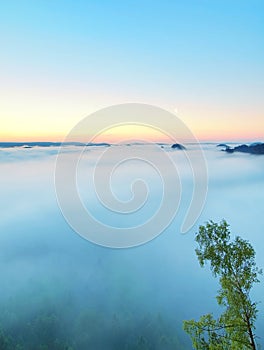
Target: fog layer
85,295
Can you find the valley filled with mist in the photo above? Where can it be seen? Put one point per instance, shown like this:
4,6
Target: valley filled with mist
60,291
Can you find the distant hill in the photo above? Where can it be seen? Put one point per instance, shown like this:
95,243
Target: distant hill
48,144
254,148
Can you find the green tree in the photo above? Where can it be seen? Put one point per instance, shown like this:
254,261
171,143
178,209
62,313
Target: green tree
233,262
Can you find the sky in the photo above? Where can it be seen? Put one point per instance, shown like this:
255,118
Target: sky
201,59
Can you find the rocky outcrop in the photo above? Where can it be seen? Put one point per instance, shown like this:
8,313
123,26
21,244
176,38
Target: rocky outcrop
178,146
223,145
255,148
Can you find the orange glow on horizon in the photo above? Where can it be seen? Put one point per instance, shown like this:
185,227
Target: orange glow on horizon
202,132
130,133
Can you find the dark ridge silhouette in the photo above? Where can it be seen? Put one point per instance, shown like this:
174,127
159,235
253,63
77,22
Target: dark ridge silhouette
178,146
223,145
49,144
254,148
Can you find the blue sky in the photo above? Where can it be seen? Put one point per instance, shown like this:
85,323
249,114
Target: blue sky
62,60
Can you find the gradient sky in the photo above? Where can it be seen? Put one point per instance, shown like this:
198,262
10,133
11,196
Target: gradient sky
61,60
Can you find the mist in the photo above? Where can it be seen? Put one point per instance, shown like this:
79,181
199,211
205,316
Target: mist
61,291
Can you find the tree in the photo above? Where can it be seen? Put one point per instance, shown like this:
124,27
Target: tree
233,262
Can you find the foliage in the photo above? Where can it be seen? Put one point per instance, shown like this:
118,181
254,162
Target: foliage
233,262
54,329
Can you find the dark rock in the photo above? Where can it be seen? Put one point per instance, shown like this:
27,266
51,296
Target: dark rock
229,150
101,144
178,146
242,148
222,145
255,143
255,148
